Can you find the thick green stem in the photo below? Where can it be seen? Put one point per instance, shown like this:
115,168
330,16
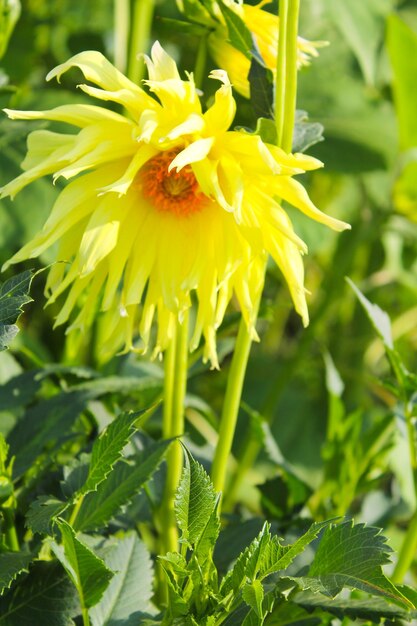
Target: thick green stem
86,618
285,99
200,62
142,15
173,426
231,406
9,530
290,74
409,546
121,33
280,81
75,511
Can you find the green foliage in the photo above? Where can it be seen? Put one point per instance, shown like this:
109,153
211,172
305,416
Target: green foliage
127,598
348,556
88,572
11,565
14,294
44,596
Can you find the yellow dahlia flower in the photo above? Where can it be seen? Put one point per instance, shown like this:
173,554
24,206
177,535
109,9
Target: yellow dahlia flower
163,204
265,29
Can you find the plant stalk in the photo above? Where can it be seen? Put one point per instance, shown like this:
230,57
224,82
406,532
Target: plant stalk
9,529
409,546
231,406
121,33
173,426
285,101
142,16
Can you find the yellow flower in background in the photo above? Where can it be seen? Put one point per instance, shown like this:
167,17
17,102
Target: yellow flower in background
264,27
163,204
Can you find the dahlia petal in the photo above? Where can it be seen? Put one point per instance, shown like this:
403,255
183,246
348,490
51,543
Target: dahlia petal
77,114
134,102
197,151
293,192
97,69
161,66
44,167
100,237
121,185
193,124
220,115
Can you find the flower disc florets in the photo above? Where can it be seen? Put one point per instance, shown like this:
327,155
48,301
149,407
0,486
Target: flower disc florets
162,203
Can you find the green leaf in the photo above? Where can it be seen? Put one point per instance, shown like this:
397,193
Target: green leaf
267,130
253,595
261,90
88,573
14,294
248,563
402,48
351,556
306,134
239,34
107,449
45,427
45,596
128,595
195,501
373,609
205,545
380,320
277,557
42,513
11,565
126,479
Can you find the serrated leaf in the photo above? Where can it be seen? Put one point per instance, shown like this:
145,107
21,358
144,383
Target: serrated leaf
45,596
19,390
107,449
351,556
128,595
370,609
261,90
380,320
14,294
305,134
278,557
127,478
87,571
11,565
247,564
253,595
205,545
42,512
195,500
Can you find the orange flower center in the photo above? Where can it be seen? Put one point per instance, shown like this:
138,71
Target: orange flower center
172,192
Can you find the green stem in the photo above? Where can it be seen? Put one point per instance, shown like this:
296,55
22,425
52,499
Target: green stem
9,529
139,37
175,387
291,74
409,546
285,99
75,511
231,406
280,80
200,62
121,33
86,618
